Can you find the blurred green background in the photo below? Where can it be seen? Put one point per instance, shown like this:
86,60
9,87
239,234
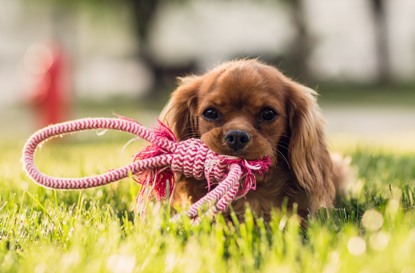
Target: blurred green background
123,56
66,59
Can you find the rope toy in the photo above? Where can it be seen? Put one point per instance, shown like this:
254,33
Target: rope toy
154,167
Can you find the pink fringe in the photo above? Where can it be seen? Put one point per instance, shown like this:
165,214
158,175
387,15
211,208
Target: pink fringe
156,183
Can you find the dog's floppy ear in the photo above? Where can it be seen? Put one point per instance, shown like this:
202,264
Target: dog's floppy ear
179,113
308,154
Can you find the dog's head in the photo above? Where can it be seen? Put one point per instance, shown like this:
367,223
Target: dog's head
251,110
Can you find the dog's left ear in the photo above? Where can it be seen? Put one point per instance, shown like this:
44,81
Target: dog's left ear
179,113
308,154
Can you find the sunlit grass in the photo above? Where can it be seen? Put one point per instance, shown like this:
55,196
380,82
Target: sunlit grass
96,230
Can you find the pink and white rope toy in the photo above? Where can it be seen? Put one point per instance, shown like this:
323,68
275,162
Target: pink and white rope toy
154,166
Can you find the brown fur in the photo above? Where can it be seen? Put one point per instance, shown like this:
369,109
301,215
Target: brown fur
302,169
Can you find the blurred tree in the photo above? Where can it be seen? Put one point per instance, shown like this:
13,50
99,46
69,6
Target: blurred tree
142,13
302,46
303,43
382,41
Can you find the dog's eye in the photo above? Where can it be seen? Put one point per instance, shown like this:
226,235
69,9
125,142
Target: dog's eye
211,114
268,114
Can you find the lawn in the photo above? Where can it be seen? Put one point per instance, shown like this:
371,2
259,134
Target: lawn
96,230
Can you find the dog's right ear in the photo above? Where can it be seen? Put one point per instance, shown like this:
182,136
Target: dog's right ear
179,113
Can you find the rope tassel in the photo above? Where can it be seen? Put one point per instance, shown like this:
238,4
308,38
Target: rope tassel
154,167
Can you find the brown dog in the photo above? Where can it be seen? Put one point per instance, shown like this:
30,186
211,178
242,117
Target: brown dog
251,110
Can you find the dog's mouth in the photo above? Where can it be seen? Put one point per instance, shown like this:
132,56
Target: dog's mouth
247,153
243,155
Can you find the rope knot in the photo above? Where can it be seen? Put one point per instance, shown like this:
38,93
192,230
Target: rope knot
189,158
193,158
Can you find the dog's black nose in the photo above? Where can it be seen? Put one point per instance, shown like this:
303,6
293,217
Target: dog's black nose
237,139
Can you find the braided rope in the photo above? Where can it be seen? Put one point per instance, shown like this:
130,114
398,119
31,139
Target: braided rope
190,157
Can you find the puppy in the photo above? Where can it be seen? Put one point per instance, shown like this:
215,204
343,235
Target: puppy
251,110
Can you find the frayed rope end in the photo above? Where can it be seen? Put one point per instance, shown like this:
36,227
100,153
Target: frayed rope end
155,183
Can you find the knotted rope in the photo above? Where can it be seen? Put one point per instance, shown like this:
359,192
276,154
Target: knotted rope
154,166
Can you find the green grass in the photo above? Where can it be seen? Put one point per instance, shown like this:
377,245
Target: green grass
388,96
95,230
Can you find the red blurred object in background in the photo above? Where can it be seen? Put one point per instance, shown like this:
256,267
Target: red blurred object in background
48,68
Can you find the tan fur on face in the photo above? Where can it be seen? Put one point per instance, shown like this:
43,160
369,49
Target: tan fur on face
302,170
